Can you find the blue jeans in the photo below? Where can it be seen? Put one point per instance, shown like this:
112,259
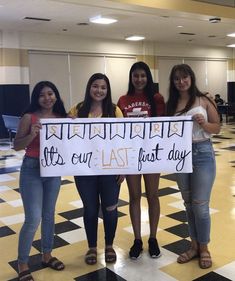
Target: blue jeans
96,190
39,195
196,190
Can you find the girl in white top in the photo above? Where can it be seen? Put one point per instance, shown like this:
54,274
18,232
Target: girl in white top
186,99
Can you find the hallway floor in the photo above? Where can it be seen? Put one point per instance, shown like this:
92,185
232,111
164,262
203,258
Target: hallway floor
70,240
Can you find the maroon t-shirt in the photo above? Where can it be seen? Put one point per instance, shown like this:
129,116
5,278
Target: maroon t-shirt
138,106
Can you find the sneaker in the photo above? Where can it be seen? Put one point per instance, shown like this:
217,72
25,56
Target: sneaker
154,250
136,249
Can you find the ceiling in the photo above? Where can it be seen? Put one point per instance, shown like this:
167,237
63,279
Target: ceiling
156,20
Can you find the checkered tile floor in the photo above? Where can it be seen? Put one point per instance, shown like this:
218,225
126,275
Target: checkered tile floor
70,239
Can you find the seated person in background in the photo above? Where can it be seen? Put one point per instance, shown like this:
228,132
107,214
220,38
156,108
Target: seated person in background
218,100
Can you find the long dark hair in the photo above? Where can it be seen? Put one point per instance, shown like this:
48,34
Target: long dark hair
108,108
58,107
183,70
149,88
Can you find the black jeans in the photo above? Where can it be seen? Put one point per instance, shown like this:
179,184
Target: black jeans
95,191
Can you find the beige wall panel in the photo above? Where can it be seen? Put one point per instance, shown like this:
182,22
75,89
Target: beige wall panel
52,67
117,69
13,57
231,64
81,68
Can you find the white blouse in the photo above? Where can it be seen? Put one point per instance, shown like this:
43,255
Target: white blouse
199,134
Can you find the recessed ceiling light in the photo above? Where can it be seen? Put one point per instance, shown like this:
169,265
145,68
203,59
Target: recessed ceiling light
231,34
135,38
101,20
231,46
180,26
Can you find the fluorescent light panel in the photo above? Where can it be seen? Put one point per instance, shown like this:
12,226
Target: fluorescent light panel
231,34
231,46
135,38
102,20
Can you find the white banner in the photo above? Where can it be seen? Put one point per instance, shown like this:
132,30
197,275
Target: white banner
105,146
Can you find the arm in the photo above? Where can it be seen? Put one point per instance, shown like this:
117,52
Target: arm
212,126
26,132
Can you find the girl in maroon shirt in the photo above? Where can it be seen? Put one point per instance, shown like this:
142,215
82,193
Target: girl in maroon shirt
140,101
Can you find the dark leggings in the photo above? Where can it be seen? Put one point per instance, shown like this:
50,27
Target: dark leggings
95,191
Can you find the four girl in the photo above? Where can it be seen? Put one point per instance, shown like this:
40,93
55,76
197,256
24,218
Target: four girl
39,194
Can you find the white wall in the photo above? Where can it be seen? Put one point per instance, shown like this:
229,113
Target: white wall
71,71
109,50
54,42
193,51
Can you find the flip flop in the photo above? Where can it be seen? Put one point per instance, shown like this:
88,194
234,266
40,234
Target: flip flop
187,256
205,260
25,276
91,257
110,255
54,263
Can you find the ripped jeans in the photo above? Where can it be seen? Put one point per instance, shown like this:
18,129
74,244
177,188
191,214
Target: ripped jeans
196,190
95,191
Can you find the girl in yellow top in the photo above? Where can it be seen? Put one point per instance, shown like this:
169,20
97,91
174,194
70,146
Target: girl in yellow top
103,189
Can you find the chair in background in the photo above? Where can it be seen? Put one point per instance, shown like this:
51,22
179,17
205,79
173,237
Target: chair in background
11,123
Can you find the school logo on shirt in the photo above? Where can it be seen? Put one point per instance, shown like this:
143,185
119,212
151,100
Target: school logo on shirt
137,109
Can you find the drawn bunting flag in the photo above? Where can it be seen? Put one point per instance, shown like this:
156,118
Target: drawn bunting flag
95,146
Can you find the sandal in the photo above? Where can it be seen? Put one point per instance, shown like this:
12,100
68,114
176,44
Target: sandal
187,256
205,260
54,263
110,255
91,257
25,276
